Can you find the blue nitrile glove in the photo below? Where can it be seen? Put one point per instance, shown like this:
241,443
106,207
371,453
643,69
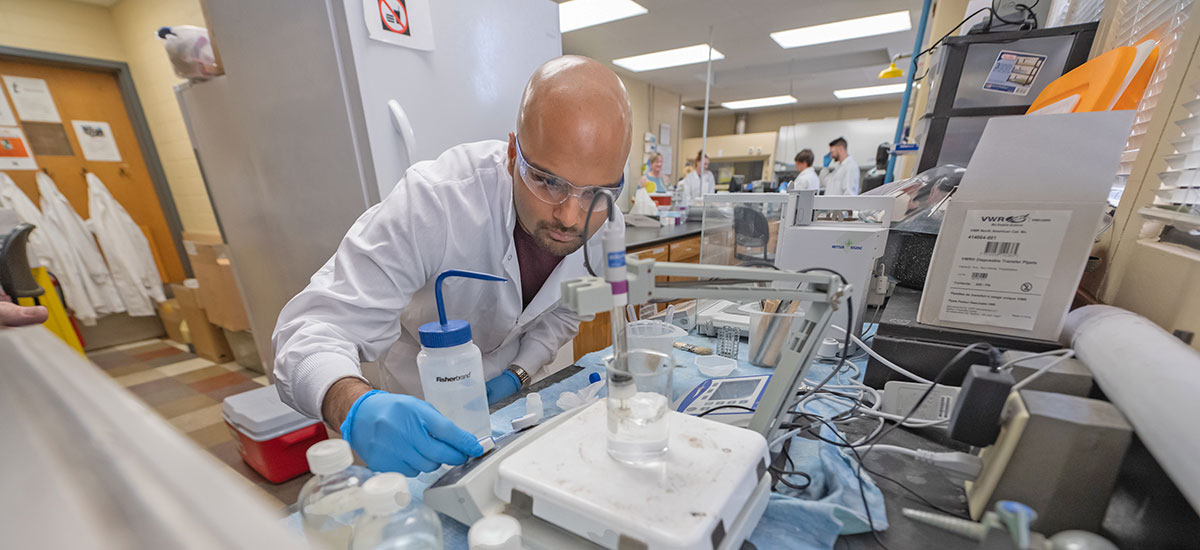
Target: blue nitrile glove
400,433
502,386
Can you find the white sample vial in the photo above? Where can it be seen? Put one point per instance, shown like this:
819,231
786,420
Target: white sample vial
331,501
451,366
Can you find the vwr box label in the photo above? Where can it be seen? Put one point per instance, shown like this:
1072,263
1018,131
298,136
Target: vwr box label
1002,266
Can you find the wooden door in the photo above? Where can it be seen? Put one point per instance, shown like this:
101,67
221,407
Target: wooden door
82,94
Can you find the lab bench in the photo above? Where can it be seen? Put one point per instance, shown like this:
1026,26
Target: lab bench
675,243
902,533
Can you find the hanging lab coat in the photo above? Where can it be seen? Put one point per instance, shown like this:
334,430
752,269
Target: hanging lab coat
694,189
367,301
49,248
844,179
127,250
91,267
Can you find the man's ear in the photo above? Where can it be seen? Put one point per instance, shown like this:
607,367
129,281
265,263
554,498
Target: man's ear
512,147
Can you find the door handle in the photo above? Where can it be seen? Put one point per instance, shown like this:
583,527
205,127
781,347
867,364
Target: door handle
404,127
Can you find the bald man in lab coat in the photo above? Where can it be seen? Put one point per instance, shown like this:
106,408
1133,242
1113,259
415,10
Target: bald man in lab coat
516,209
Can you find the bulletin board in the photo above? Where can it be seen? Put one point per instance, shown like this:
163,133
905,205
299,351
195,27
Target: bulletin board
74,120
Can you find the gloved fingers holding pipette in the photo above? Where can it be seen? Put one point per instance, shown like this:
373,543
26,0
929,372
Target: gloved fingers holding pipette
400,433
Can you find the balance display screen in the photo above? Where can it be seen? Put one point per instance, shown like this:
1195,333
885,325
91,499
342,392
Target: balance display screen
735,389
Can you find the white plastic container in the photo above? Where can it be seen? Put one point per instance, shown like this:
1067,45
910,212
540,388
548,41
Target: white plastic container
331,502
451,366
768,334
715,366
495,532
653,336
453,381
392,521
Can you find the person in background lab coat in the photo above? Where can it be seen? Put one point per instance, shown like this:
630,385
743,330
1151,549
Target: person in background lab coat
807,179
844,179
514,209
696,186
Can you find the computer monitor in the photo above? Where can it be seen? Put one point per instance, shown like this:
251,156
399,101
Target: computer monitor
736,183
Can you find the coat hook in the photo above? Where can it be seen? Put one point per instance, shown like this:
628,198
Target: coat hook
83,171
123,172
45,171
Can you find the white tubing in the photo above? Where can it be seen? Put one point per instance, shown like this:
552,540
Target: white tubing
881,358
1152,377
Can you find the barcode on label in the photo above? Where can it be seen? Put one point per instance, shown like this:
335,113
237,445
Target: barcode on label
977,276
945,407
1001,249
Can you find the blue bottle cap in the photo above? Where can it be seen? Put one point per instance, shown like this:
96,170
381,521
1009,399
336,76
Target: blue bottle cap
445,333
448,335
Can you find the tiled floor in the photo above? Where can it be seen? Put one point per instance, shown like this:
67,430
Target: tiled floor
187,391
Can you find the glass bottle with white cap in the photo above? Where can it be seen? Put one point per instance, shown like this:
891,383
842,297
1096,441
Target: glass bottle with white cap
331,501
392,520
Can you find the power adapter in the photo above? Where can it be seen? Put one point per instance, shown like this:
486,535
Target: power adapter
976,417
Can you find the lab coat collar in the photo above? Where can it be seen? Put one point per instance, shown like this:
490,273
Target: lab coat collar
571,266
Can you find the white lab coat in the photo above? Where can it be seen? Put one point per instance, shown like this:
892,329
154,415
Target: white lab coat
127,250
90,265
694,189
367,301
49,248
806,180
844,179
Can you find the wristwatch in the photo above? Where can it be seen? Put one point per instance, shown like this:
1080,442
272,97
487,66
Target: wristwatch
522,376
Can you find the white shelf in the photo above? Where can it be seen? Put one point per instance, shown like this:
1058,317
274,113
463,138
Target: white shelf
1180,178
1183,161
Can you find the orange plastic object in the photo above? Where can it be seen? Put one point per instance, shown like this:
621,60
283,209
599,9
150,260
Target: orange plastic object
1113,81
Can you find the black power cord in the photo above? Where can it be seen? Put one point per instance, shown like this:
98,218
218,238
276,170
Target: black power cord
725,407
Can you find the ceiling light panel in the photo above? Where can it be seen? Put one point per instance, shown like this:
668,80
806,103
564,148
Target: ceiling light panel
851,93
668,58
844,30
760,102
579,14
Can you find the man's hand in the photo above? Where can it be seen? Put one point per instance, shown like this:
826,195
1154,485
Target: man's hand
13,315
400,433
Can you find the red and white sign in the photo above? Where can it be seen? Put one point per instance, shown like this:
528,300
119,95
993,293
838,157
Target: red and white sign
400,22
15,153
394,16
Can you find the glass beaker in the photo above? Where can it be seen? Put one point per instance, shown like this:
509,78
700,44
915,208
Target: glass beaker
639,395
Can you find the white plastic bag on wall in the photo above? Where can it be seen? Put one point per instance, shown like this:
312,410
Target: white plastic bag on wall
190,51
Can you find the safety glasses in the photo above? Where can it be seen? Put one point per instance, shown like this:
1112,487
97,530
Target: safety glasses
552,189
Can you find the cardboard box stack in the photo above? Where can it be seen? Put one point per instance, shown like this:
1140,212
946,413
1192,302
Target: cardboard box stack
208,340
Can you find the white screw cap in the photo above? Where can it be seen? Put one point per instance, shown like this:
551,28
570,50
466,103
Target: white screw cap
533,405
385,494
497,532
329,457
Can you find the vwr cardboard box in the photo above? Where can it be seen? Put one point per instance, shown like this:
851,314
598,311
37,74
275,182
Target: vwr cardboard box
1016,236
207,338
218,288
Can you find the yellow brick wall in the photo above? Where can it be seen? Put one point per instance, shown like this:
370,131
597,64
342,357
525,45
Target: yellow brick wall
136,22
60,26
